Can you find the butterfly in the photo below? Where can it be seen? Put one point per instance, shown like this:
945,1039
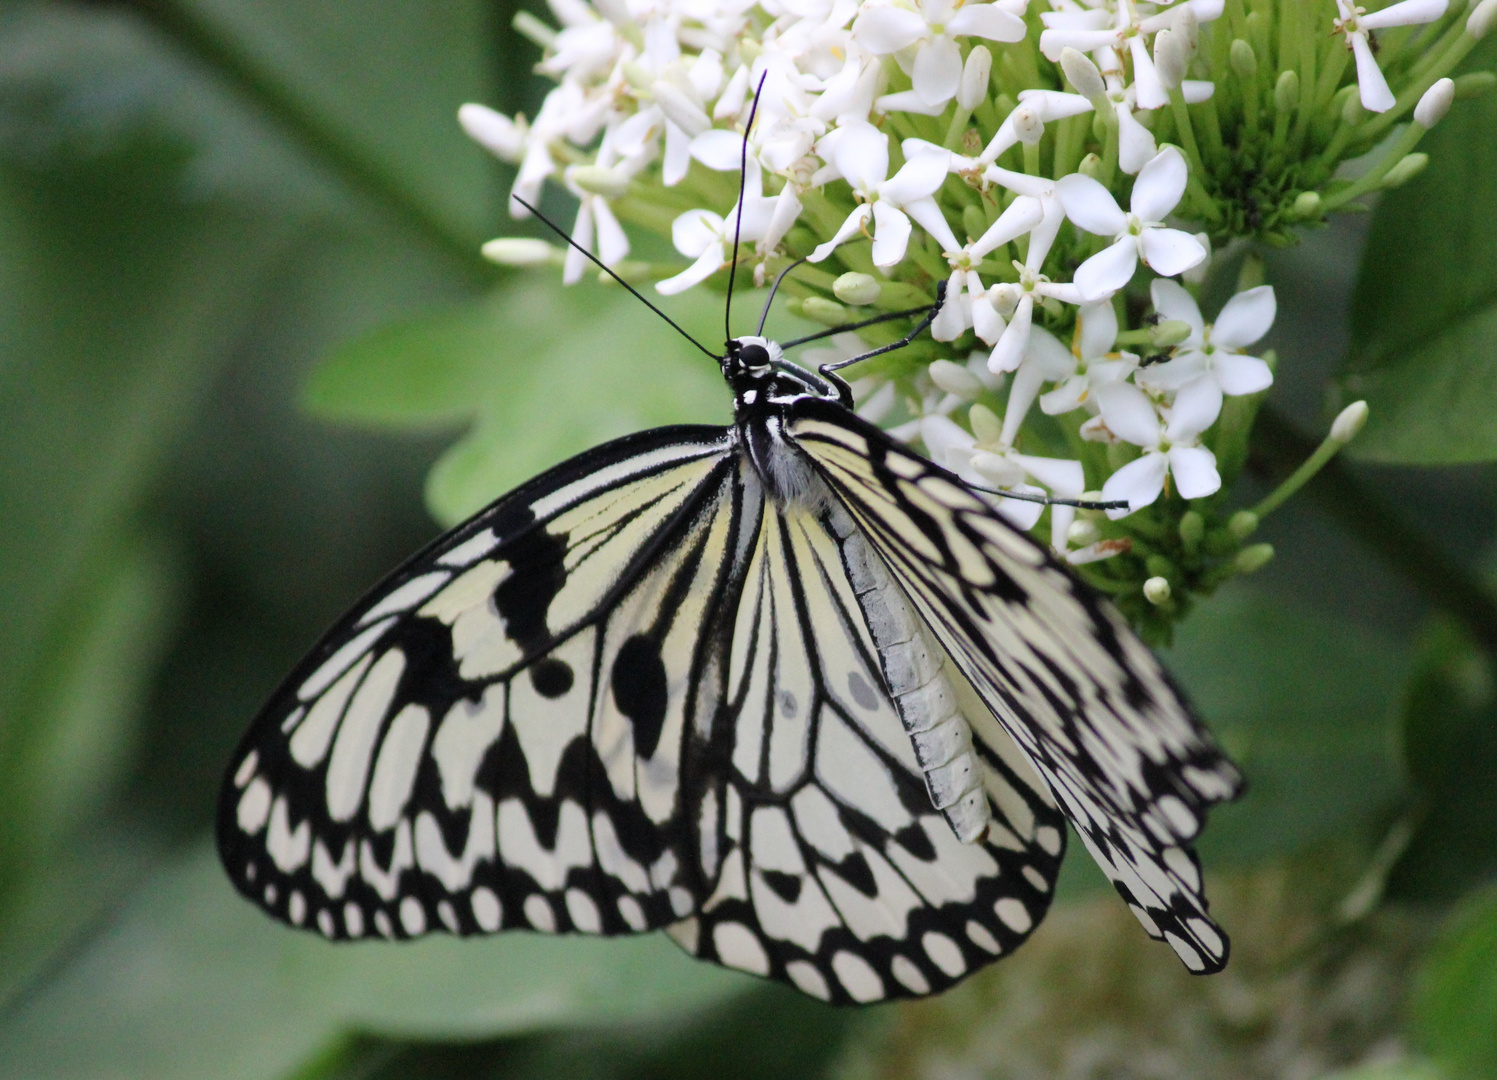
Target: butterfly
786,690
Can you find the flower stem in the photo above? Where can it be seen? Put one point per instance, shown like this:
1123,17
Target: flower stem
1374,176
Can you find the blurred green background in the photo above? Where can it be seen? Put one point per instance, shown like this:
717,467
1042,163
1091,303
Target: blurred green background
246,341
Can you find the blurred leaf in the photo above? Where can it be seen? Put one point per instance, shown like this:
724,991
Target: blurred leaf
1425,309
546,372
1450,751
192,981
1302,701
1455,998
1393,1070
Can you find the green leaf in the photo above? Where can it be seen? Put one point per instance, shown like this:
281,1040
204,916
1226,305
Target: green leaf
193,981
1424,314
1393,1070
543,370
1302,702
1450,751
1454,1014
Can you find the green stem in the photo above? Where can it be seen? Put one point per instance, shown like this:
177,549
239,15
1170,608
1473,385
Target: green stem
1374,176
1278,447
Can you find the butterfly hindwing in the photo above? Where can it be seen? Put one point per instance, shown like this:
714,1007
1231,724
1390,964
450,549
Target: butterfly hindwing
1081,696
490,739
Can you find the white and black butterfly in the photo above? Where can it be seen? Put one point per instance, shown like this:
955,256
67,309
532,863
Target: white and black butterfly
785,689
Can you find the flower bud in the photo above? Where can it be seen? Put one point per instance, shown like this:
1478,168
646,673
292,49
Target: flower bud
955,379
493,131
1244,60
1351,106
1004,297
1028,126
1308,206
973,88
1349,422
856,289
1286,91
1159,566
1091,165
1082,532
1252,558
1168,333
1435,103
1192,529
599,180
1082,74
1242,524
1481,19
1169,58
1157,591
1409,167
987,429
1474,84
820,309
527,25
520,251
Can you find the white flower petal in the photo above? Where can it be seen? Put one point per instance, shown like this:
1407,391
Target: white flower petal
1137,483
613,242
938,70
1246,318
891,234
1022,391
933,221
1136,146
495,132
1148,90
1194,468
1023,214
1046,352
694,231
1406,13
1376,97
942,437
1108,270
1160,185
1021,513
1173,303
1173,374
1128,413
1099,329
1197,405
861,154
1060,475
883,30
853,226
1009,351
1239,374
719,150
1065,397
1090,205
707,264
987,21
921,175
1170,251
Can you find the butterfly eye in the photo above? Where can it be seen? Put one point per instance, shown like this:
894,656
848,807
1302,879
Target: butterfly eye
754,356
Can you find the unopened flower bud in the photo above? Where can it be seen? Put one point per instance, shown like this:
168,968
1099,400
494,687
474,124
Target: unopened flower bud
1242,524
493,131
520,251
1308,206
1167,333
527,25
820,309
973,88
1349,422
1159,566
1409,167
1083,75
1286,91
986,427
856,289
1252,558
1352,111
1091,165
955,379
1157,590
1481,19
1192,529
1244,60
1435,103
599,179
1169,58
1082,532
1004,297
1474,84
1028,126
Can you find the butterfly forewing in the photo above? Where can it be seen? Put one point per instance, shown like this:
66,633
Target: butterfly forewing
1074,688
456,754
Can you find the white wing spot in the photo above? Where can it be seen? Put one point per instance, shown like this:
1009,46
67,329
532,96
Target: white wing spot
382,924
271,894
296,907
448,915
910,976
407,596
486,910
1037,879
1182,866
287,846
631,912
539,914
349,764
944,953
583,912
1206,934
353,920
1048,837
412,916
462,740
982,937
857,977
254,806
739,947
325,923
341,660
808,979
1014,914
395,767
475,547
313,737
246,768
1185,951
333,876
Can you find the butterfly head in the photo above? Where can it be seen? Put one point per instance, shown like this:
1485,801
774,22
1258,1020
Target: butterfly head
760,376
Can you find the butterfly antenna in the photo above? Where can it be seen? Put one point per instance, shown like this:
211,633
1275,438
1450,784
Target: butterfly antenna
599,263
764,315
738,222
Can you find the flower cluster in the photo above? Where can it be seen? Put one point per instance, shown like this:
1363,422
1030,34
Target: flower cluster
995,145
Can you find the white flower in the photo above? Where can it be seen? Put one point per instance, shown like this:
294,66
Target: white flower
1212,354
1019,298
1139,234
859,154
707,238
937,68
967,301
1171,445
1092,361
1045,105
1356,24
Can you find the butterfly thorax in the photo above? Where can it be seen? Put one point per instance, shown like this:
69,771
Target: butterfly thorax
764,386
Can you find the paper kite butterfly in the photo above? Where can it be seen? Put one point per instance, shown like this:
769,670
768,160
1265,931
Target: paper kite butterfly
785,690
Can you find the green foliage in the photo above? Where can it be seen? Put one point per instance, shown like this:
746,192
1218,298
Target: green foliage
1455,1003
1425,311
